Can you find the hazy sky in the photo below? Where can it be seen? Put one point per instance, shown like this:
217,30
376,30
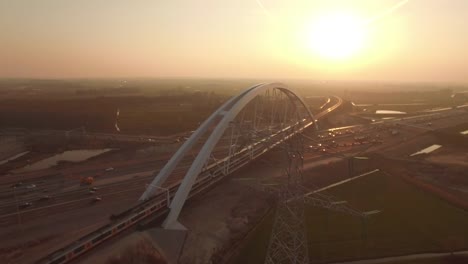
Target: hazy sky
415,40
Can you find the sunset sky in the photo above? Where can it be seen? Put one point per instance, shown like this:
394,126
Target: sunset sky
414,40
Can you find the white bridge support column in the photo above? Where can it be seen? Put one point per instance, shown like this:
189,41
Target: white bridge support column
161,177
192,173
228,113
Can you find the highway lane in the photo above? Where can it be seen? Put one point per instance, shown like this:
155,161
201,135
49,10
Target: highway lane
68,189
57,184
83,191
74,173
69,204
134,177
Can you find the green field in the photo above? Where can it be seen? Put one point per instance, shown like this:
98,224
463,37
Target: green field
411,221
442,260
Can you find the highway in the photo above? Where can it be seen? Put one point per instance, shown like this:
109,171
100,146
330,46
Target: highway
71,198
209,176
212,174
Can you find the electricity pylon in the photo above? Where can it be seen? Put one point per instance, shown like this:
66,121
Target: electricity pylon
288,241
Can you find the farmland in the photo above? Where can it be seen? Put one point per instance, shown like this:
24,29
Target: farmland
411,221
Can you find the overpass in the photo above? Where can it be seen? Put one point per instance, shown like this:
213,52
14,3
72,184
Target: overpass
241,130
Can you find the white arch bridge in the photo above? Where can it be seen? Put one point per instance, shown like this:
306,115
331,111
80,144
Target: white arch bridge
242,129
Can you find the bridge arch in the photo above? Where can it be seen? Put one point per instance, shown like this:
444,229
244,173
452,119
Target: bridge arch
217,124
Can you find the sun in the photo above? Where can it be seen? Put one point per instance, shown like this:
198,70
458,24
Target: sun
337,36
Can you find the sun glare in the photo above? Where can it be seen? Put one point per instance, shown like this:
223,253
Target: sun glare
337,36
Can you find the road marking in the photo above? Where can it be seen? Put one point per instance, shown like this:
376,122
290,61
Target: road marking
69,202
427,150
341,182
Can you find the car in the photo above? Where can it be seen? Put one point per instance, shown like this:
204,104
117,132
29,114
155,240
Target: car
93,188
91,192
31,186
109,169
315,147
25,205
44,198
312,148
16,185
96,199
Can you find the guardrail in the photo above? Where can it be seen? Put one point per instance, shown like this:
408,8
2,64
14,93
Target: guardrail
158,204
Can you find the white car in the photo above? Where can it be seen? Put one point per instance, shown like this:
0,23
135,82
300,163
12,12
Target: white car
25,205
96,199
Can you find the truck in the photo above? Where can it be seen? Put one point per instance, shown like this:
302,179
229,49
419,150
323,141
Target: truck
86,180
360,139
